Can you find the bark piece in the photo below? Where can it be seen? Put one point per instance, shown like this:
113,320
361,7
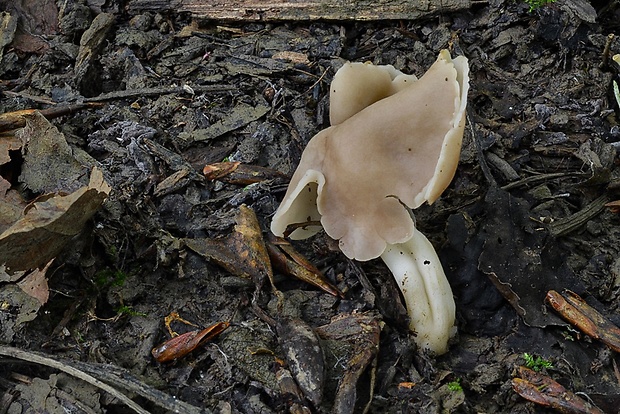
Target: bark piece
305,10
87,64
304,356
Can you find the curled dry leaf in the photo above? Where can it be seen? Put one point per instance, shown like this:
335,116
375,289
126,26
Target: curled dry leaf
242,253
181,345
288,261
48,225
614,206
246,254
542,390
576,311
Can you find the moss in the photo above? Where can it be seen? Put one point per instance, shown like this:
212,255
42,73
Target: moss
536,4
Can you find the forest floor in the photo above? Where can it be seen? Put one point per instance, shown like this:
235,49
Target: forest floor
158,96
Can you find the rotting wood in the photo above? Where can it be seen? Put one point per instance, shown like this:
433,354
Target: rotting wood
259,10
570,223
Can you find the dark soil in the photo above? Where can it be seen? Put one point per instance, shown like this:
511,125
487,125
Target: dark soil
524,214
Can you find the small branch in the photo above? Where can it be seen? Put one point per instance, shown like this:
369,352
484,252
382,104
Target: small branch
41,360
137,93
111,374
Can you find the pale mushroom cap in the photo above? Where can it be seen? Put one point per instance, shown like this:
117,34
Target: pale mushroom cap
402,149
358,85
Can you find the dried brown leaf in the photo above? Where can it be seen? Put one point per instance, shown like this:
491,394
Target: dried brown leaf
288,261
35,284
49,225
542,390
242,253
575,310
8,142
50,164
181,345
11,205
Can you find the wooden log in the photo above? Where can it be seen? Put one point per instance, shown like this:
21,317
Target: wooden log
261,10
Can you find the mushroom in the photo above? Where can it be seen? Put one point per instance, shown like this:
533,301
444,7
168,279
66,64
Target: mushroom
393,148
357,85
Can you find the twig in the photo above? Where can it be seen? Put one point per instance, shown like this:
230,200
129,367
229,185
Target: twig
538,178
14,120
41,360
570,223
486,171
606,51
120,376
137,93
39,99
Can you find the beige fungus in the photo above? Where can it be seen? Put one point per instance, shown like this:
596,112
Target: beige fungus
398,144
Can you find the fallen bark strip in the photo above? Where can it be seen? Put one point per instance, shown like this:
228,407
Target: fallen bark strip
107,373
567,224
41,360
253,10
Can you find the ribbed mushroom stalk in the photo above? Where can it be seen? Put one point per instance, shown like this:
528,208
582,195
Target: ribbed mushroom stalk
425,288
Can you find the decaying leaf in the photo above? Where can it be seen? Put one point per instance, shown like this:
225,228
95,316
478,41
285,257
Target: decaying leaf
599,157
181,345
50,164
48,225
35,284
11,205
172,183
242,253
240,116
23,308
8,142
8,27
522,261
541,389
294,57
575,310
246,254
287,260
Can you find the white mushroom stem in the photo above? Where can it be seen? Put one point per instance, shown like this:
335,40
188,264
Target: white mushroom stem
427,293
